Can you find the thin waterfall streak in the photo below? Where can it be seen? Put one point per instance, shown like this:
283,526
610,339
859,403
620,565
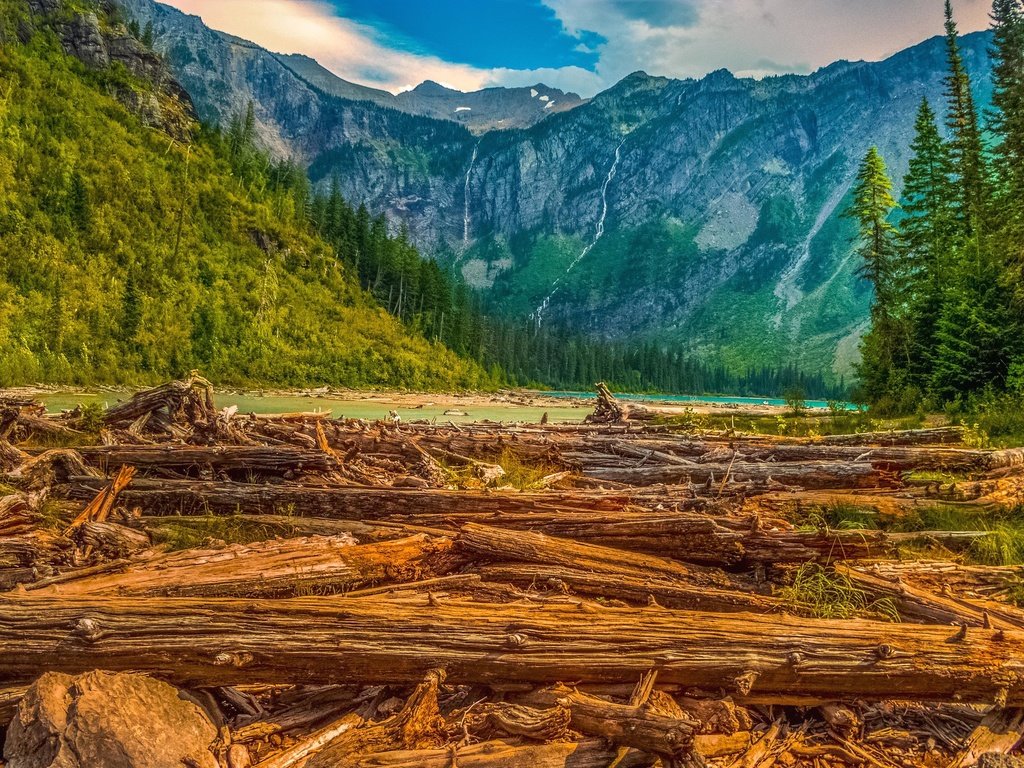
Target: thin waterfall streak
465,213
538,314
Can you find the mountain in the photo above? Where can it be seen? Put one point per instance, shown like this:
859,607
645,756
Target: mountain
480,111
704,213
134,246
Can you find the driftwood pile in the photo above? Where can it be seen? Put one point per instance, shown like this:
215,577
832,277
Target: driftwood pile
346,593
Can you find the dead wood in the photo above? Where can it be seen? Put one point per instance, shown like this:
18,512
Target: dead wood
813,475
179,404
223,641
277,459
1001,731
920,604
592,753
271,569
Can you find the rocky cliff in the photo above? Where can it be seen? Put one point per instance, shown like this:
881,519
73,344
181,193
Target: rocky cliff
704,212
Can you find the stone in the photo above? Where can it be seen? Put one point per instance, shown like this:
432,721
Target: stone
999,760
108,720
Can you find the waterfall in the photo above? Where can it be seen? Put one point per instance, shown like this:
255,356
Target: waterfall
465,213
538,314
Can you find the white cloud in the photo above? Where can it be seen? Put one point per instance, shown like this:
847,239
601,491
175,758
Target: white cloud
676,38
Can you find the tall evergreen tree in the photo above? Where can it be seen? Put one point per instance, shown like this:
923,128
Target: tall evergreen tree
884,350
926,232
966,147
1006,123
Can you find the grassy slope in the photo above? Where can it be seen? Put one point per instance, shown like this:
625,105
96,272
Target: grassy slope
279,312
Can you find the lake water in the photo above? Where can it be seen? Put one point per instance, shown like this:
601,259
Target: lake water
344,408
706,399
378,408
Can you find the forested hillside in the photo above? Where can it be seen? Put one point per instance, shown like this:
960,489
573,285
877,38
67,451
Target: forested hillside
131,253
946,264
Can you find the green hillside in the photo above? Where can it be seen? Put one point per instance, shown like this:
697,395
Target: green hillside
127,255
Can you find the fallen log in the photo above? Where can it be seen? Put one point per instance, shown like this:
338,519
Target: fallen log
276,459
811,475
270,569
1000,732
181,403
914,602
592,753
629,588
157,496
590,569
398,639
931,436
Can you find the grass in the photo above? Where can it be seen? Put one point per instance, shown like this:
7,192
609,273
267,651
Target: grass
822,593
523,475
840,516
191,533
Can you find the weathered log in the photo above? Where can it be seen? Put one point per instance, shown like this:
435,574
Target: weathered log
630,725
156,496
1000,732
913,602
277,459
394,640
270,569
592,753
633,589
16,516
110,540
188,401
931,436
812,475
700,538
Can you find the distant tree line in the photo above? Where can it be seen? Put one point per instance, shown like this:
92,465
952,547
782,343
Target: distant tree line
946,261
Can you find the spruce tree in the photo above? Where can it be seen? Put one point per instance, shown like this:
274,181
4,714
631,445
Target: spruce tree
966,147
884,350
926,232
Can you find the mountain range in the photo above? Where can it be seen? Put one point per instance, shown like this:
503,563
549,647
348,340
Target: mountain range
704,213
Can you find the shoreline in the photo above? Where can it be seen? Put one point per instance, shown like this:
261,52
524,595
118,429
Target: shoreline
511,399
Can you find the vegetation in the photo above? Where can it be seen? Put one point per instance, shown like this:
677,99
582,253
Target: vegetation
949,309
129,256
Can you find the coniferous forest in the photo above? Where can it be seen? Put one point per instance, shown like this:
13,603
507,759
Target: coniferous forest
946,260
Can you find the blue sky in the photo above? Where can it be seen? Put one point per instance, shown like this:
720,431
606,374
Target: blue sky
580,45
464,31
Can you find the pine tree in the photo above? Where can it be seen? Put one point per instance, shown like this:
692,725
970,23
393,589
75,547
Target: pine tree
885,348
966,147
926,232
1006,122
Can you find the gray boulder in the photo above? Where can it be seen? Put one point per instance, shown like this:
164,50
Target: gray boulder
107,720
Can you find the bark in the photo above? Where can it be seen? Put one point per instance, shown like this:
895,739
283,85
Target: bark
1001,731
394,640
592,753
277,459
630,588
270,569
920,604
811,475
205,497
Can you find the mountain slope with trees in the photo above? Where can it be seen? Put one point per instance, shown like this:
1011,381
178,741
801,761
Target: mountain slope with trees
128,254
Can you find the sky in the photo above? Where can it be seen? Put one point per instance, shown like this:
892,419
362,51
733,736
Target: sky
579,45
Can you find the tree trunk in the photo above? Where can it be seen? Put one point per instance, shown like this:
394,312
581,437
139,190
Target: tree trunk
270,569
398,639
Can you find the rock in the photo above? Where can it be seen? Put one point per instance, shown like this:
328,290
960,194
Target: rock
82,38
108,720
999,760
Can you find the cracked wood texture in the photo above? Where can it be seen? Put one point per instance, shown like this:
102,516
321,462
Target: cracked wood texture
398,639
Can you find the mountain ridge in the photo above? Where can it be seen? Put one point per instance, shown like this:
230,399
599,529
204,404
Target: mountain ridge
722,228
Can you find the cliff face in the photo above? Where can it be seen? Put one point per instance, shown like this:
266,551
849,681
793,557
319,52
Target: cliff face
704,212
